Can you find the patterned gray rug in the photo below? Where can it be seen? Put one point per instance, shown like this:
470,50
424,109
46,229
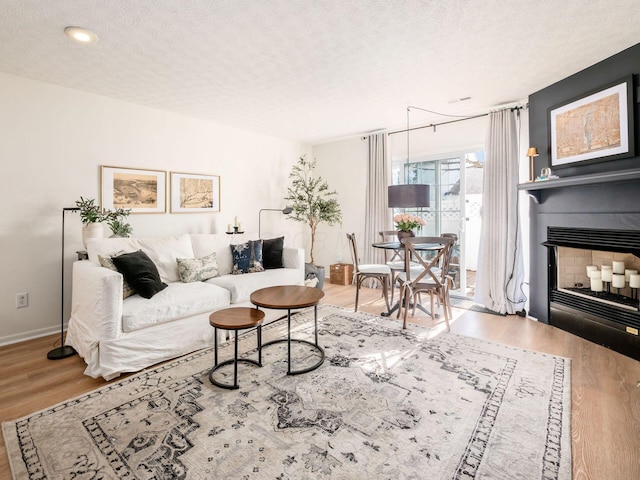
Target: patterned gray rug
385,404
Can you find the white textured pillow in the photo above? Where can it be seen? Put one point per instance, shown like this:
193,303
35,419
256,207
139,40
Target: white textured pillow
106,262
197,269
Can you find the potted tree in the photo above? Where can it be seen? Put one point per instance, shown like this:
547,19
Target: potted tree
312,203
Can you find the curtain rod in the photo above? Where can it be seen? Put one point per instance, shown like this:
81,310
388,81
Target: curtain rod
434,125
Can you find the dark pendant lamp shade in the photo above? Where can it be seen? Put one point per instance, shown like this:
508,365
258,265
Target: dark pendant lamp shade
408,196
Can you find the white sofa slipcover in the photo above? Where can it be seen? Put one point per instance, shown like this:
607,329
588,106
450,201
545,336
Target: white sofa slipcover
115,336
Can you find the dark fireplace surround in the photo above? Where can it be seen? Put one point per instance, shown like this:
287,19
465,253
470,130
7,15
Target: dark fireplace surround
604,217
611,317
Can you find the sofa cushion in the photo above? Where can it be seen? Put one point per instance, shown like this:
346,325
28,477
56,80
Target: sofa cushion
140,272
197,269
272,253
178,300
107,262
247,257
163,251
241,286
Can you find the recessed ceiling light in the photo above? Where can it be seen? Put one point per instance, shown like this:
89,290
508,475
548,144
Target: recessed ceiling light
81,35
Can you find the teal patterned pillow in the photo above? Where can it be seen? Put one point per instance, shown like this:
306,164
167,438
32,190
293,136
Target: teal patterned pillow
106,262
197,269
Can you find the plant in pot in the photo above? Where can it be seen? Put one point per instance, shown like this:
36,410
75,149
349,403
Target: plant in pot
117,222
91,216
312,203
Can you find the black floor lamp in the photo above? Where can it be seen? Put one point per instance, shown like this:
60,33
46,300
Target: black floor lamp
63,351
286,211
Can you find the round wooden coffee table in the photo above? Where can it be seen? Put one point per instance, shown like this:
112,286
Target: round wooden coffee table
236,318
288,297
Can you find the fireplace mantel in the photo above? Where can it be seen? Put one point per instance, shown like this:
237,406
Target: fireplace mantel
534,189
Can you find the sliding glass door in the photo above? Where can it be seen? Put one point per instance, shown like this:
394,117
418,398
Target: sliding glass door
455,182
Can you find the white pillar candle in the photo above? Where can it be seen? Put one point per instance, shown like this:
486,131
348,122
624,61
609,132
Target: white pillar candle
596,284
606,274
618,267
606,267
617,281
634,280
591,268
239,227
229,229
595,274
235,221
627,273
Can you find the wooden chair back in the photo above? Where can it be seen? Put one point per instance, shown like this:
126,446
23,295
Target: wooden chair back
354,251
391,236
431,270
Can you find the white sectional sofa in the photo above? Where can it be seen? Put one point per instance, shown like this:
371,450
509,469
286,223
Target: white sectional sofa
115,335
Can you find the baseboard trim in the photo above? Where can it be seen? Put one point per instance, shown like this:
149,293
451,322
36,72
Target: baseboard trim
30,335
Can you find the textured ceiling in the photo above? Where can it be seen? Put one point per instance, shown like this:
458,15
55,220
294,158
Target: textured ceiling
314,70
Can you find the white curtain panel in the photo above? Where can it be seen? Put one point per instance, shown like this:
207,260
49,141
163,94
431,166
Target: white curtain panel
377,214
500,263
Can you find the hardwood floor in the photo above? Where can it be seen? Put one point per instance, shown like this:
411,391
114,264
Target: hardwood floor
605,418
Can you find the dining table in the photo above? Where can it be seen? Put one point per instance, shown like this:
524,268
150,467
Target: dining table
398,247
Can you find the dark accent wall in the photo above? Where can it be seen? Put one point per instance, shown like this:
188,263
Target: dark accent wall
607,205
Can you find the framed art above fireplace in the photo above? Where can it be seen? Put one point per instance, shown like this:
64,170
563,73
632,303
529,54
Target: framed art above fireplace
594,127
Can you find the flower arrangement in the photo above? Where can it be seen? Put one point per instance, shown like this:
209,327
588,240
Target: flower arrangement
407,222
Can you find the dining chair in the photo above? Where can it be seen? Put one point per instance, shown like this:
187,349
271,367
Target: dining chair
394,261
453,270
362,272
430,276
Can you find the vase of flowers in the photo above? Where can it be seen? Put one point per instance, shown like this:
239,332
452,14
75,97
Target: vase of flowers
405,224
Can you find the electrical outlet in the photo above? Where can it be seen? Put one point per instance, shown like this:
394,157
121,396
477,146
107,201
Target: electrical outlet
22,300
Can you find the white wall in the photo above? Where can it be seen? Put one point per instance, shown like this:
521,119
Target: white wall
52,143
343,165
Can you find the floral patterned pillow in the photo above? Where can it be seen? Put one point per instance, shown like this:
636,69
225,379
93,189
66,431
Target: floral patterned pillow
107,262
197,269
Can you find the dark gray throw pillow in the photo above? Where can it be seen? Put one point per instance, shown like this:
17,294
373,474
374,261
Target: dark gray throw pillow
140,272
272,253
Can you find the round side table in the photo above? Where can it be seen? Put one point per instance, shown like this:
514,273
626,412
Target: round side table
288,297
235,319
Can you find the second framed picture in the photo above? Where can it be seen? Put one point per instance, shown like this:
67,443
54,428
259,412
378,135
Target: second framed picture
194,193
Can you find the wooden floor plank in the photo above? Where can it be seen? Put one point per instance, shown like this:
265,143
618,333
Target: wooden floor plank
605,418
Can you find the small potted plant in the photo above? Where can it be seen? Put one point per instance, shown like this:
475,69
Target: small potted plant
91,216
312,203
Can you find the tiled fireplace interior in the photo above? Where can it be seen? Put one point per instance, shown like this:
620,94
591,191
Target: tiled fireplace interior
573,264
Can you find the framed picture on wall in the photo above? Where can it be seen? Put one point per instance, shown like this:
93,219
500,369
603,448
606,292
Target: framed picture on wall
194,193
595,127
140,190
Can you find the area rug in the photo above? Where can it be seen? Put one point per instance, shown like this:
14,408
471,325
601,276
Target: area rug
386,404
